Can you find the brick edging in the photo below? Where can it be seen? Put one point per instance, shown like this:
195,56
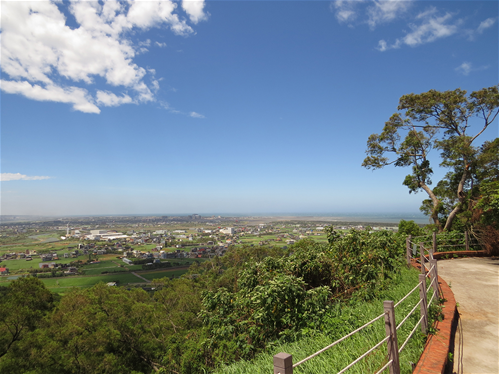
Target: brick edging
457,254
436,353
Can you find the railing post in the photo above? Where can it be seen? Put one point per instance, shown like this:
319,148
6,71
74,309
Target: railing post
421,255
467,240
434,246
408,250
423,305
283,363
434,276
391,331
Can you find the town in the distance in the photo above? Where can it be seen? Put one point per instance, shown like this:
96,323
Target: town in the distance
132,251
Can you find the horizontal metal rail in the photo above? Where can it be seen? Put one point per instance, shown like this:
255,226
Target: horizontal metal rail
429,271
408,315
431,299
384,367
410,335
364,355
431,285
339,340
406,296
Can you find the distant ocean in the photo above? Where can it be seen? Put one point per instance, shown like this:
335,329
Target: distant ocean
342,217
359,217
345,217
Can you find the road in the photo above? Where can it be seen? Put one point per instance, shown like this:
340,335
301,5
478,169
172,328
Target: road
475,284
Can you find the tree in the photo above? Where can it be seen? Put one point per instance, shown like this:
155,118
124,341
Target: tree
441,121
409,228
96,330
22,307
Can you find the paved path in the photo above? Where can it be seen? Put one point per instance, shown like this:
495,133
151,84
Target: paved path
475,283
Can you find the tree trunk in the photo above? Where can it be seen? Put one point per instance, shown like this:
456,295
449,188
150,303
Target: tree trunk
461,197
436,202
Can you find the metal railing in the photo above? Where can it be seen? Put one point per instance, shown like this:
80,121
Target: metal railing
283,362
446,240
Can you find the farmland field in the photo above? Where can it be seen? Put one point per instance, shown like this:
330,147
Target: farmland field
13,265
151,275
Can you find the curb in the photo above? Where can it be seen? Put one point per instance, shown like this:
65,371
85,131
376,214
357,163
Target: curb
436,353
458,254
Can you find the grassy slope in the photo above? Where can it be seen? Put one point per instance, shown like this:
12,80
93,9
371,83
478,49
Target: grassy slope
341,323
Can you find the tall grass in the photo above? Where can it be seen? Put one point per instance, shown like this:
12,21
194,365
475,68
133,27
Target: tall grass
341,320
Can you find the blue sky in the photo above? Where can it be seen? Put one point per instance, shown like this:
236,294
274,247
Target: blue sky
222,106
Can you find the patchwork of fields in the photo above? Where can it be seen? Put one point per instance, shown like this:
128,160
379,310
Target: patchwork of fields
106,268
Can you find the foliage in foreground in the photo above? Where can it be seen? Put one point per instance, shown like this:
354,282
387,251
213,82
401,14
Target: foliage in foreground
341,319
224,310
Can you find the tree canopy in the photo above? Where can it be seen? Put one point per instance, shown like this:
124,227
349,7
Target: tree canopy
225,309
449,122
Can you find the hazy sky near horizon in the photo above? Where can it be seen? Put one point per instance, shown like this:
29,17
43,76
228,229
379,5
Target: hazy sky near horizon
222,106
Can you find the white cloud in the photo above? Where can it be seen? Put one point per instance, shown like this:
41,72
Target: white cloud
79,97
484,25
345,10
195,10
5,177
46,59
161,45
169,108
489,22
430,28
383,45
196,115
467,67
386,11
110,99
464,68
377,12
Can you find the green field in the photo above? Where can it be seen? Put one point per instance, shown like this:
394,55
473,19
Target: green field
13,265
88,281
163,273
99,271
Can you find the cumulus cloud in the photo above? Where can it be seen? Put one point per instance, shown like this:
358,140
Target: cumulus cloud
45,59
78,97
110,99
195,10
5,177
196,115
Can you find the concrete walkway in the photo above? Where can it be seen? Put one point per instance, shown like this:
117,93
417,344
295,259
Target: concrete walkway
475,284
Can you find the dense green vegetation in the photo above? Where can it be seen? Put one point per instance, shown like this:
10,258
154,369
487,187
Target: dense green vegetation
227,309
341,319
